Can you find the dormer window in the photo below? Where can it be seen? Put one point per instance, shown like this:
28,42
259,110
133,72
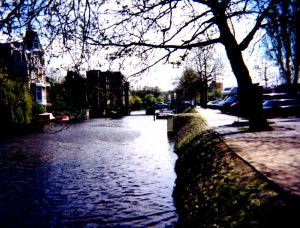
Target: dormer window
35,44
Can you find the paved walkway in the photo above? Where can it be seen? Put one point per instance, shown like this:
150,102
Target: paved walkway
274,153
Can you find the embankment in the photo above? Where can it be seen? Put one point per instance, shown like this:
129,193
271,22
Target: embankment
215,188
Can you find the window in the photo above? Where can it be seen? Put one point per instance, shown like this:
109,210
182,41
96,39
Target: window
33,75
39,93
36,44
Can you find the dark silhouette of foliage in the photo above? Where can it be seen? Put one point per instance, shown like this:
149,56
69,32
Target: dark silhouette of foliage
188,85
69,96
15,102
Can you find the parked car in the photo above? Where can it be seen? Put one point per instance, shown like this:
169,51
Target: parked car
224,106
226,91
159,105
165,113
281,107
273,96
214,104
234,108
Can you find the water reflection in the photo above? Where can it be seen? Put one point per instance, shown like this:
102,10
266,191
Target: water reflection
99,172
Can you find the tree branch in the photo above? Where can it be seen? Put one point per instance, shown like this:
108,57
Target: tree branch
246,41
11,14
157,46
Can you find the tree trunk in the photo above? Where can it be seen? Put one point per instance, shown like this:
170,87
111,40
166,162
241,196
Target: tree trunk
250,96
203,93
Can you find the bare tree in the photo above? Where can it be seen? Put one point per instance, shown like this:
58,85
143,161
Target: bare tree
208,66
263,72
282,40
140,28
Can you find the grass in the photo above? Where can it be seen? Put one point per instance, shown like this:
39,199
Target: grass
215,188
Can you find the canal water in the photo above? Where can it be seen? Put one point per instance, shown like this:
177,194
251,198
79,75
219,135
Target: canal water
98,173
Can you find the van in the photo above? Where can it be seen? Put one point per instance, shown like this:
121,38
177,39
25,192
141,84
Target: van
229,91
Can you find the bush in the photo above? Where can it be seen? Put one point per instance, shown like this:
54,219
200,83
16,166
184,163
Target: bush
136,103
38,109
15,102
149,100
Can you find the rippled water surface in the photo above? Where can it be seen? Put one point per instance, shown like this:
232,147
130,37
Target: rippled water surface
100,172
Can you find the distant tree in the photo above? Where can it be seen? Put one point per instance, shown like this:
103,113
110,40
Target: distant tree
188,87
160,99
149,100
283,39
56,97
69,96
263,72
136,103
147,90
208,66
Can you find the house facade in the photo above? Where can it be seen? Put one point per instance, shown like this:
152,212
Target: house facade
25,61
35,66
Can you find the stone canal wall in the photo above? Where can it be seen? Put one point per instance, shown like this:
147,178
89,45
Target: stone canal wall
216,188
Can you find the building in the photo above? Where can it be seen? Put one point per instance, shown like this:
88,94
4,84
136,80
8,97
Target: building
107,92
25,62
35,66
13,61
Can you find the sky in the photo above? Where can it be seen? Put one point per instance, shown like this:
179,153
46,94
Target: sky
166,75
163,75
